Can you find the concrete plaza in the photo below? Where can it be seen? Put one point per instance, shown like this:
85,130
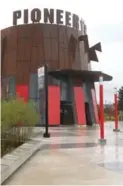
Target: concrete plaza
72,156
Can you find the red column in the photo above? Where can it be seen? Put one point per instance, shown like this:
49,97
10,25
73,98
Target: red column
101,108
79,105
54,105
101,113
116,110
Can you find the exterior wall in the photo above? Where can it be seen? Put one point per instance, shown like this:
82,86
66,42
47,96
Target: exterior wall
29,46
67,93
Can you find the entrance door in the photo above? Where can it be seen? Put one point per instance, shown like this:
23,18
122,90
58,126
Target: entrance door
88,114
66,114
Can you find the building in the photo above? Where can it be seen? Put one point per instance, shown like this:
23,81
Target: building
65,48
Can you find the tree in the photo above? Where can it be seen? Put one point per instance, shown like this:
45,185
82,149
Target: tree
120,99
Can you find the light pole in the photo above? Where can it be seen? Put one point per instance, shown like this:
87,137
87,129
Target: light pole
43,87
46,134
102,140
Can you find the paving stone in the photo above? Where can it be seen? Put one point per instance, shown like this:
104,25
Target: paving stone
6,161
32,142
27,145
18,152
11,162
11,157
74,160
3,167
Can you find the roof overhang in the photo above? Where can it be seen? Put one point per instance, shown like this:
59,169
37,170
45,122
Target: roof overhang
81,74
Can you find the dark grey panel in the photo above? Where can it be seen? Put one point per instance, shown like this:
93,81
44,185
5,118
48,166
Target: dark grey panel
63,87
12,86
33,86
73,101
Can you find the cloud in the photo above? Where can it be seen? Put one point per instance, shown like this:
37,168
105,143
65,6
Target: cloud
109,33
104,19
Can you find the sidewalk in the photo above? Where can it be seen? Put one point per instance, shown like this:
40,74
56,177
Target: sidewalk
74,156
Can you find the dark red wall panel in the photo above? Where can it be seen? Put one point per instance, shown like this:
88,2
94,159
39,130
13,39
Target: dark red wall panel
38,43
95,106
79,104
54,105
22,91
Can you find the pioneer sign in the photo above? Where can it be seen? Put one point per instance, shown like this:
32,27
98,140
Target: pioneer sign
50,16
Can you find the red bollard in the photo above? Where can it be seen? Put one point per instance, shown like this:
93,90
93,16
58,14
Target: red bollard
102,140
116,111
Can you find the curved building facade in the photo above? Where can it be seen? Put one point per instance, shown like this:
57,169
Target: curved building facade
66,50
29,46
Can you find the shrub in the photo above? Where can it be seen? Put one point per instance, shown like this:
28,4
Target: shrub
17,112
17,120
108,118
121,115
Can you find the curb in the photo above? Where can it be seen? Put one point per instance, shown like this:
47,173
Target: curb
12,161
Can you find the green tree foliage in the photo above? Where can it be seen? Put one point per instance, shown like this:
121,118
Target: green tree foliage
120,99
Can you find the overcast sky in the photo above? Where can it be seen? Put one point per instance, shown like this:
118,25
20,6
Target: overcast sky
104,19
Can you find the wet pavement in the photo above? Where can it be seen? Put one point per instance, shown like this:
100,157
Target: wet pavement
72,156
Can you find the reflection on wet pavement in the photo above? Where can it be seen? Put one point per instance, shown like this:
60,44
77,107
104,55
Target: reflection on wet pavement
115,166
71,145
74,156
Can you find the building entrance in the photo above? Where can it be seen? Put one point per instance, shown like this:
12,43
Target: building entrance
88,115
66,115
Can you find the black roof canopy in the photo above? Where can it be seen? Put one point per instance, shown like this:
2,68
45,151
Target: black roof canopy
84,75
